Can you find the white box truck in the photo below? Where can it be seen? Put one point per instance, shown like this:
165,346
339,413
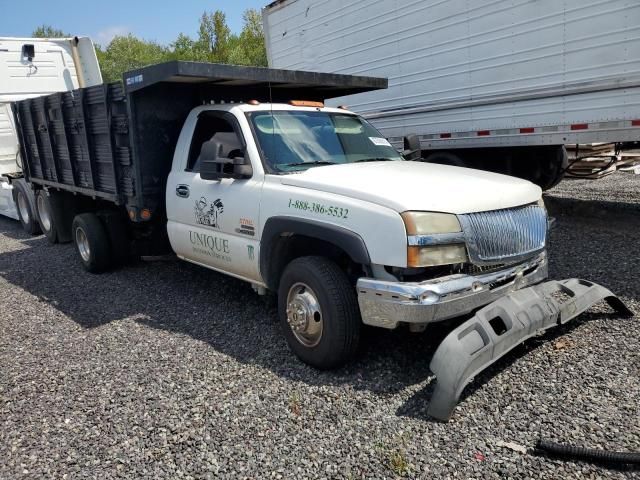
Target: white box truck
30,67
498,85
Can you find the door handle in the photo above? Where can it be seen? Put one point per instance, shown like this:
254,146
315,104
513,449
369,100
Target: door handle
182,191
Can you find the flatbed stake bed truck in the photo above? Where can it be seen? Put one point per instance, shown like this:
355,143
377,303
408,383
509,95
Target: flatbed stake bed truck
244,171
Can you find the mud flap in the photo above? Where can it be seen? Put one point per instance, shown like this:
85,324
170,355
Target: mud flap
501,326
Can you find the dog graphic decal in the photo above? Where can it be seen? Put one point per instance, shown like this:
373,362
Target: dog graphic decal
209,214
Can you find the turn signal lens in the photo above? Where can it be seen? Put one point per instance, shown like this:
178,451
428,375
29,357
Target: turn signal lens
436,255
426,223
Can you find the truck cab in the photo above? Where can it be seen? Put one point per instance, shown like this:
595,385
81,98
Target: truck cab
313,203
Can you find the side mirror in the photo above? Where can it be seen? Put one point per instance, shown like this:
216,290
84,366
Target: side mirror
412,150
213,166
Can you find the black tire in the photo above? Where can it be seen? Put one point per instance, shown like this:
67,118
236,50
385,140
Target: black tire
340,316
554,168
46,217
92,242
23,198
544,166
118,237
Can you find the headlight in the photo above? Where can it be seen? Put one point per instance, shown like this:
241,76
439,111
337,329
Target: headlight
425,223
434,228
436,255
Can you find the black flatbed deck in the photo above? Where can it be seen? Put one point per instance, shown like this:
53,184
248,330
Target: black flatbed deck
236,81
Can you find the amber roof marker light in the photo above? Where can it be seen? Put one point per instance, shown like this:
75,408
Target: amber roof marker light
306,103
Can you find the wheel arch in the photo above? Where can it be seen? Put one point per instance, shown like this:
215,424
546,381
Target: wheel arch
278,231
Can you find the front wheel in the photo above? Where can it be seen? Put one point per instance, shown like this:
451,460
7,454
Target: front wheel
318,312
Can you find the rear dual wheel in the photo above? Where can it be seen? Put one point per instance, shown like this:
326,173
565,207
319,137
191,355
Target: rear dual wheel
50,216
101,243
92,242
55,214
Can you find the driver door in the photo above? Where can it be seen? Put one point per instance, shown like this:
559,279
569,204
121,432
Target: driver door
213,222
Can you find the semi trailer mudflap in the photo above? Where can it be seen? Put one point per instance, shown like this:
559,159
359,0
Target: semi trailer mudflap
502,325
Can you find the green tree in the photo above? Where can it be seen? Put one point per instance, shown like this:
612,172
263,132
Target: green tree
214,43
47,31
249,48
214,36
185,48
127,53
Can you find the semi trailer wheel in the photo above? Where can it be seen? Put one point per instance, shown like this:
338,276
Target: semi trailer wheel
553,167
318,312
92,242
543,165
26,209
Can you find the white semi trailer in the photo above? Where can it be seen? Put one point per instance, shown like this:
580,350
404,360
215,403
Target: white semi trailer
30,67
498,85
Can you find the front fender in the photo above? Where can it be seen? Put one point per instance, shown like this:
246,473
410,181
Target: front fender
341,237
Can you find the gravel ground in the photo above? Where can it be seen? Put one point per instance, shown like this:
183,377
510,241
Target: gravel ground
163,369
621,188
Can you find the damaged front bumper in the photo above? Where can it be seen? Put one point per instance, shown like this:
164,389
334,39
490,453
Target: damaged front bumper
385,304
501,326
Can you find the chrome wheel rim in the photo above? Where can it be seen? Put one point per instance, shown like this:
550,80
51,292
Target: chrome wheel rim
43,213
23,207
83,244
304,315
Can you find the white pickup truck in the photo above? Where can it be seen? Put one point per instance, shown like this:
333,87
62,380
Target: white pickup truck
331,205
306,201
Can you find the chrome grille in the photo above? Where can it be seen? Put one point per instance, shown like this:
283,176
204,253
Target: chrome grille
504,236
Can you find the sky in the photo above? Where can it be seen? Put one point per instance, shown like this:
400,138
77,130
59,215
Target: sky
159,20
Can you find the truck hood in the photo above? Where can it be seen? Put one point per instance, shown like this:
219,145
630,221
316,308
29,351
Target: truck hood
408,185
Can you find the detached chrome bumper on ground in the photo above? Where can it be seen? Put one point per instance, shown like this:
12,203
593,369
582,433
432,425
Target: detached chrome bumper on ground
501,326
385,304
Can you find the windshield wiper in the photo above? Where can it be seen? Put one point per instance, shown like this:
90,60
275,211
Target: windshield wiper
315,162
380,159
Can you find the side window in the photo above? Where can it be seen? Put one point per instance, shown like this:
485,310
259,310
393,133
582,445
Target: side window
208,128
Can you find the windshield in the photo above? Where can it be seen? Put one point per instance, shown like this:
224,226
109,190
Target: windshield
296,140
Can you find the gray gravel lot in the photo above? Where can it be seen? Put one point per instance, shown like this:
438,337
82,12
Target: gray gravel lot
619,191
163,369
